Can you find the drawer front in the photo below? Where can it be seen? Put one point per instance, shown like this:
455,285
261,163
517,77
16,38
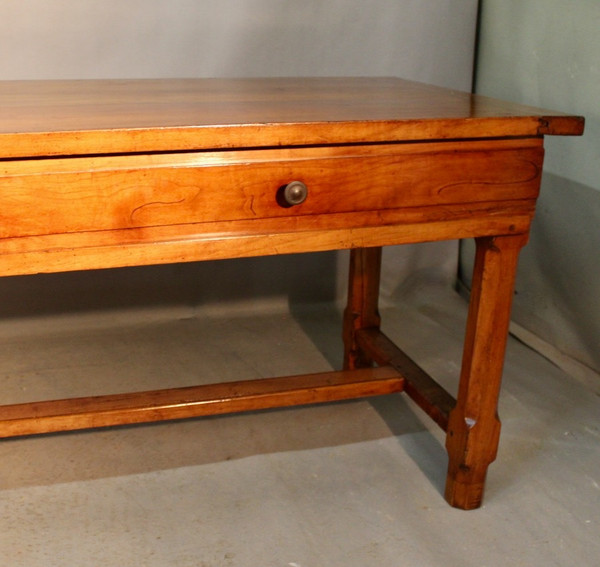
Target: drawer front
56,196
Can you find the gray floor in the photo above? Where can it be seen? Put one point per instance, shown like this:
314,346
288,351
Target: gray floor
349,484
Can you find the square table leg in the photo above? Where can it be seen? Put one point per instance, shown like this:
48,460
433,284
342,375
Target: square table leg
474,427
362,311
471,421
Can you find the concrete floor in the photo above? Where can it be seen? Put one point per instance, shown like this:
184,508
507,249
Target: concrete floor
348,484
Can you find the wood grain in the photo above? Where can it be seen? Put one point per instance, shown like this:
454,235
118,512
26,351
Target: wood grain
103,174
194,401
260,237
66,196
85,213
362,304
121,116
429,395
474,426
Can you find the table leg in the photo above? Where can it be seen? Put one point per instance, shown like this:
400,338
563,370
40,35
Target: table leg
362,307
474,427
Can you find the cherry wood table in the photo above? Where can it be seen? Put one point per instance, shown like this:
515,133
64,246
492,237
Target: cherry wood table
102,174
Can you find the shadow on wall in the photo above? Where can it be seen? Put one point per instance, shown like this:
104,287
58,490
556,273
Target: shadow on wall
298,277
557,295
291,279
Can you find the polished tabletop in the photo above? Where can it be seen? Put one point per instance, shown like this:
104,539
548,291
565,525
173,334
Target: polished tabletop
116,116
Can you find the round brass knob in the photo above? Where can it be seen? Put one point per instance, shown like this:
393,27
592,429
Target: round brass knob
295,193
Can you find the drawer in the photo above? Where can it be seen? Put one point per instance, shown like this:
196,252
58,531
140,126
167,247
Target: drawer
82,194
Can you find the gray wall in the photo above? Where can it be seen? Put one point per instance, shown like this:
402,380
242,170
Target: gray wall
426,40
547,53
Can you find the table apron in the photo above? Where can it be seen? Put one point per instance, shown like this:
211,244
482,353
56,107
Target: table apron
110,211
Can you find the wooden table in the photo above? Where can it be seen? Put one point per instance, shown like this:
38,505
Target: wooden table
102,174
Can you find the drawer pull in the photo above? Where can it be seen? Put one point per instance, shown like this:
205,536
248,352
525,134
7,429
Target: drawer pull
293,193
